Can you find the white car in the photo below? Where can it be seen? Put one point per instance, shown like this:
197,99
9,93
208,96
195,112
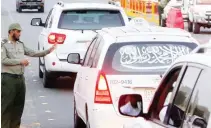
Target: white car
199,15
123,60
181,100
72,26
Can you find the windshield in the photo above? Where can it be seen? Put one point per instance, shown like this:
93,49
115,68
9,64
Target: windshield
90,19
203,2
145,58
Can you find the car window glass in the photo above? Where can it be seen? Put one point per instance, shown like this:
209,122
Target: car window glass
177,110
98,52
94,51
47,19
200,105
166,88
89,50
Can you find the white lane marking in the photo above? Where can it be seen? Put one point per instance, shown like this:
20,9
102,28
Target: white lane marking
42,96
51,119
44,103
34,80
48,111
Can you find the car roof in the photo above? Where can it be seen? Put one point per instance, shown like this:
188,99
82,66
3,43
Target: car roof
144,30
203,59
122,34
84,5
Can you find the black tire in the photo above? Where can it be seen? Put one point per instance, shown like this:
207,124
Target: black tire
40,71
196,28
190,26
41,10
19,9
163,22
48,81
78,122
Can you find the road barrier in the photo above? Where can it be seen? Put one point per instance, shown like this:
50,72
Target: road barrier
147,9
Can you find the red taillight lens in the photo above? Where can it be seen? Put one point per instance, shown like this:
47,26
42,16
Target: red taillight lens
102,93
56,38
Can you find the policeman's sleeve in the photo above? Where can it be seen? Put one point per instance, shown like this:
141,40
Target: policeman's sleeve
32,53
7,61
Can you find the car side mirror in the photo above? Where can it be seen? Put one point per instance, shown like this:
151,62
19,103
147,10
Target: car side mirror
131,105
74,58
37,22
199,123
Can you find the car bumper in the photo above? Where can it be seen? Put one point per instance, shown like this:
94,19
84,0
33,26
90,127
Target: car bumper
104,116
203,21
53,64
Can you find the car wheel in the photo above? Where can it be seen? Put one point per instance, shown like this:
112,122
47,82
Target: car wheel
41,10
78,122
190,26
40,71
163,22
47,80
19,9
196,28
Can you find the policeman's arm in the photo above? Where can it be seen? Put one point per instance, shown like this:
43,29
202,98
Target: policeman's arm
7,61
32,53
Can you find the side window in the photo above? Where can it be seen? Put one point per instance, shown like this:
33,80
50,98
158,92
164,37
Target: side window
176,111
48,17
89,51
94,51
164,94
97,55
200,104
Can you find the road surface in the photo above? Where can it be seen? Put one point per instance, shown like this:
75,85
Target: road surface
46,108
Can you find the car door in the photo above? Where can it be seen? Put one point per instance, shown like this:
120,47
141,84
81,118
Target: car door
173,100
79,88
89,74
199,108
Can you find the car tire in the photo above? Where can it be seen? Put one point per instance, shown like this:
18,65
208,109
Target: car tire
190,26
48,82
196,28
41,10
78,122
163,22
19,9
40,71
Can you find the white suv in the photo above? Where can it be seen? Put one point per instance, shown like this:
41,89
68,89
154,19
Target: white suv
72,26
123,60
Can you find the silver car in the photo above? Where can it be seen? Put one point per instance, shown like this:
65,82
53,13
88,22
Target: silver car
30,4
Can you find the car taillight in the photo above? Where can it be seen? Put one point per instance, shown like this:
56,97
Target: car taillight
56,38
102,93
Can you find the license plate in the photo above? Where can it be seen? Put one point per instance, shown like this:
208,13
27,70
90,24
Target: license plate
31,3
146,93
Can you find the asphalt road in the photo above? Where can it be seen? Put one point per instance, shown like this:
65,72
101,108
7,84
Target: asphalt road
46,108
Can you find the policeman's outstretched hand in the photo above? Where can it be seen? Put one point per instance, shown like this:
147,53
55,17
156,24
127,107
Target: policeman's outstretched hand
53,47
25,62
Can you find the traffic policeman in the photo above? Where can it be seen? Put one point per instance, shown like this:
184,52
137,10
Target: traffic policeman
13,82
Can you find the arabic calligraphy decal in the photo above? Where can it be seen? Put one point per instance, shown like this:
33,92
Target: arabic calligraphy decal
149,56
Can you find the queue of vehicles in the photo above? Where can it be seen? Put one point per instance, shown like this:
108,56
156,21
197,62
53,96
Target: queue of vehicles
119,63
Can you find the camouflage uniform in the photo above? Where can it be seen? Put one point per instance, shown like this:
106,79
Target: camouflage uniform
13,82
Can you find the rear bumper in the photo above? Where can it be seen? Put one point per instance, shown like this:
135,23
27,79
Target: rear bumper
53,64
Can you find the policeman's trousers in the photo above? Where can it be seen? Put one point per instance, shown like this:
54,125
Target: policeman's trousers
12,100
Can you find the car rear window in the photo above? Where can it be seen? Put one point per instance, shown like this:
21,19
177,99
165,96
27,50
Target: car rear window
144,58
90,19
